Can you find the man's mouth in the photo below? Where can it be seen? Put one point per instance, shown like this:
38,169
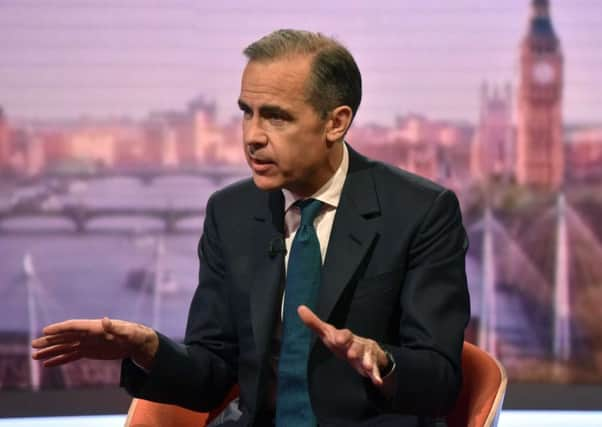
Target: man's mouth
260,165
261,161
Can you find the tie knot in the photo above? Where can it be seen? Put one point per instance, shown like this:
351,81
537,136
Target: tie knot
309,210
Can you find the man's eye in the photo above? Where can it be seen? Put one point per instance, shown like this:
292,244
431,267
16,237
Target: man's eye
277,119
246,114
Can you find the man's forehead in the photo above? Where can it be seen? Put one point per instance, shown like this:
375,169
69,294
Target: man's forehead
276,80
291,61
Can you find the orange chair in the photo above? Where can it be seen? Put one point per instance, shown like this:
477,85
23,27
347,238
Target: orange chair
479,403
483,390
144,413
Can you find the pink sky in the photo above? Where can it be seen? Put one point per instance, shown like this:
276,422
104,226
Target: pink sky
65,58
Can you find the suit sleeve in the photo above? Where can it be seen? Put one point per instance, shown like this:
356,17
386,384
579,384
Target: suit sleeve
435,310
198,374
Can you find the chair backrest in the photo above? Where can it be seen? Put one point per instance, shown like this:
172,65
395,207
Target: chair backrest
144,413
483,389
479,403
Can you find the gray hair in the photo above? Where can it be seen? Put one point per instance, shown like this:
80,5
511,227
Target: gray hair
334,78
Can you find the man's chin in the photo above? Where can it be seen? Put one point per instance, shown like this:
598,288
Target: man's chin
267,183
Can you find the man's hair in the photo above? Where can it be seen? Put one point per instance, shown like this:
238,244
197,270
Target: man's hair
334,78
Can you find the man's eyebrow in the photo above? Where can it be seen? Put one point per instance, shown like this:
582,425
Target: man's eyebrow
267,110
274,110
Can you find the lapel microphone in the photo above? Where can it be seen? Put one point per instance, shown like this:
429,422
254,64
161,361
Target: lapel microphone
277,246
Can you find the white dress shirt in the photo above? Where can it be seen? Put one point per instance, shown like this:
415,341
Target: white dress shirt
329,194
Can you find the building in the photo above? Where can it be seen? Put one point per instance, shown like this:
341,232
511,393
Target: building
584,154
455,145
493,151
540,153
213,143
56,148
162,141
27,157
174,132
4,148
95,145
206,135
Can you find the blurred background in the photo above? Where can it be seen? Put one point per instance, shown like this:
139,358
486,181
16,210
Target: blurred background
119,118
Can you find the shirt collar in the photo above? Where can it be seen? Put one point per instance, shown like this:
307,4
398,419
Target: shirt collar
330,192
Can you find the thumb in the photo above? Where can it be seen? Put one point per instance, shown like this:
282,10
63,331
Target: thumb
113,327
107,325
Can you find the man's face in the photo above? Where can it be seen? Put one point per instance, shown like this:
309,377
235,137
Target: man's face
284,137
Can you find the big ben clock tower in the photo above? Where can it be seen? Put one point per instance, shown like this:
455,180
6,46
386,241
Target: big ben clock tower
540,155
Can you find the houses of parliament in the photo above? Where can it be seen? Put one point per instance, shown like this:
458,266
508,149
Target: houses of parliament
519,135
540,153
532,152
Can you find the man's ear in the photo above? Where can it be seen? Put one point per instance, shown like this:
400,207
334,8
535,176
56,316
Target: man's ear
339,121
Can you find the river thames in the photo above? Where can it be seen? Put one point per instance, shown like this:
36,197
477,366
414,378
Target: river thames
111,269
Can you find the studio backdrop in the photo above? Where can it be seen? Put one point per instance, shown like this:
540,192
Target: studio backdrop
119,118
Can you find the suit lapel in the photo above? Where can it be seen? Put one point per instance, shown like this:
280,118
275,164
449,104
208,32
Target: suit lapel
268,271
352,233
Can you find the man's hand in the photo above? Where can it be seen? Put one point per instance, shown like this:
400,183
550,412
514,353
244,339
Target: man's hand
105,339
365,355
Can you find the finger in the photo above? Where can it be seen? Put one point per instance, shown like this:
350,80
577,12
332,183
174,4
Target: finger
371,368
354,352
54,350
356,361
62,359
49,340
375,375
368,362
313,322
73,325
114,328
108,328
359,357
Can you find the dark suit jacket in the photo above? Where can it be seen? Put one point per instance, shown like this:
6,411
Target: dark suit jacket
394,272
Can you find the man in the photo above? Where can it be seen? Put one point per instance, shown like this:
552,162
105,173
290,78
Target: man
376,271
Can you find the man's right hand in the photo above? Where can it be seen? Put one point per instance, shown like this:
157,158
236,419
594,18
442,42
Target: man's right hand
105,339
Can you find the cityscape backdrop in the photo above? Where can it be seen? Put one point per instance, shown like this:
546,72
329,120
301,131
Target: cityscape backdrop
118,120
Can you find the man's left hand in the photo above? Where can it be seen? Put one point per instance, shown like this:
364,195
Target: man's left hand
363,354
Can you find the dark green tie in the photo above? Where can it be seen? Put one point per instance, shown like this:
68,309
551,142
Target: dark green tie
293,407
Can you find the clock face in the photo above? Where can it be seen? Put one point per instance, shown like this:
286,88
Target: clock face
543,73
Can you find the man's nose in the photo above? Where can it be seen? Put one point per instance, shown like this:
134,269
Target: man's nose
253,133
